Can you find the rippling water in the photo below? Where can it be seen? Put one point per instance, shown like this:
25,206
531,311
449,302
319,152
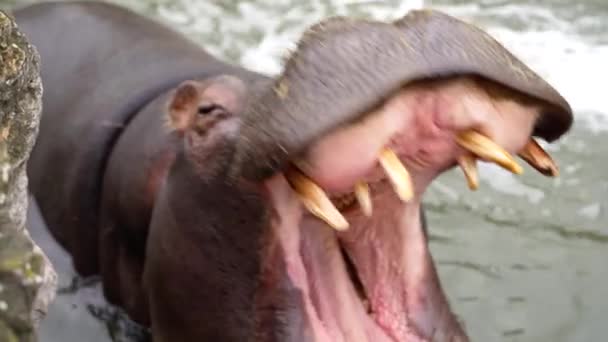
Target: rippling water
523,258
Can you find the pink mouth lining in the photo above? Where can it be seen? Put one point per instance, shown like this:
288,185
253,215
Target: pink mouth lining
393,268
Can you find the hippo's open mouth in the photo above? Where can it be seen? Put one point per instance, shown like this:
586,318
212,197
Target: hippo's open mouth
358,257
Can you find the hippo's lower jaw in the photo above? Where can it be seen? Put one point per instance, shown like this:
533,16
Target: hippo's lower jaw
376,280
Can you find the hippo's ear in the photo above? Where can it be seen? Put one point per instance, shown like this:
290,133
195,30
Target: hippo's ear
221,94
183,105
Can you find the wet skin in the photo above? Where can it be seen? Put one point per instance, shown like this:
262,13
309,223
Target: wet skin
169,172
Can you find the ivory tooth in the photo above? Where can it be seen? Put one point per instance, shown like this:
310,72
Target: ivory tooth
539,159
364,198
397,174
316,200
484,148
468,164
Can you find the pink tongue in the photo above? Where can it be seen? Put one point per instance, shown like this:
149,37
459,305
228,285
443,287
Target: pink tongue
316,266
331,290
392,260
394,265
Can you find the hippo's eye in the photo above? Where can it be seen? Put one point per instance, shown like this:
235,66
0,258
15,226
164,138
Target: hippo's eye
209,108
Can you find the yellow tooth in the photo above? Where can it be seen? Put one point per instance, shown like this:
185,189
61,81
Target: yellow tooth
539,159
486,149
397,174
316,200
363,197
468,164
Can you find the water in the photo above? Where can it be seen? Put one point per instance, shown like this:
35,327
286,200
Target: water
523,258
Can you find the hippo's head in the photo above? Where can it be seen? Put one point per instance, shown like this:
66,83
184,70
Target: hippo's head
310,227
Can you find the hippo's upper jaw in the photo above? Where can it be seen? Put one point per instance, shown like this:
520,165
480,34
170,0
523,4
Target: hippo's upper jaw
362,264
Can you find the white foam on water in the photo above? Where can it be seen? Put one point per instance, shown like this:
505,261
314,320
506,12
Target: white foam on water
267,57
591,211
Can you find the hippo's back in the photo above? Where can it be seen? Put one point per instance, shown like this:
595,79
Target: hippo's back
100,65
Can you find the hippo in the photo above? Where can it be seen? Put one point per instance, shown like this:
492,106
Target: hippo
221,204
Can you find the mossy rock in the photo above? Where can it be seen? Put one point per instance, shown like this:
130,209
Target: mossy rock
27,281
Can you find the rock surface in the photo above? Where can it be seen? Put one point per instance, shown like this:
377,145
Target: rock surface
27,279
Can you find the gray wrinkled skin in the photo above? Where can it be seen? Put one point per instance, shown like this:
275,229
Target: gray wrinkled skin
331,62
27,279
